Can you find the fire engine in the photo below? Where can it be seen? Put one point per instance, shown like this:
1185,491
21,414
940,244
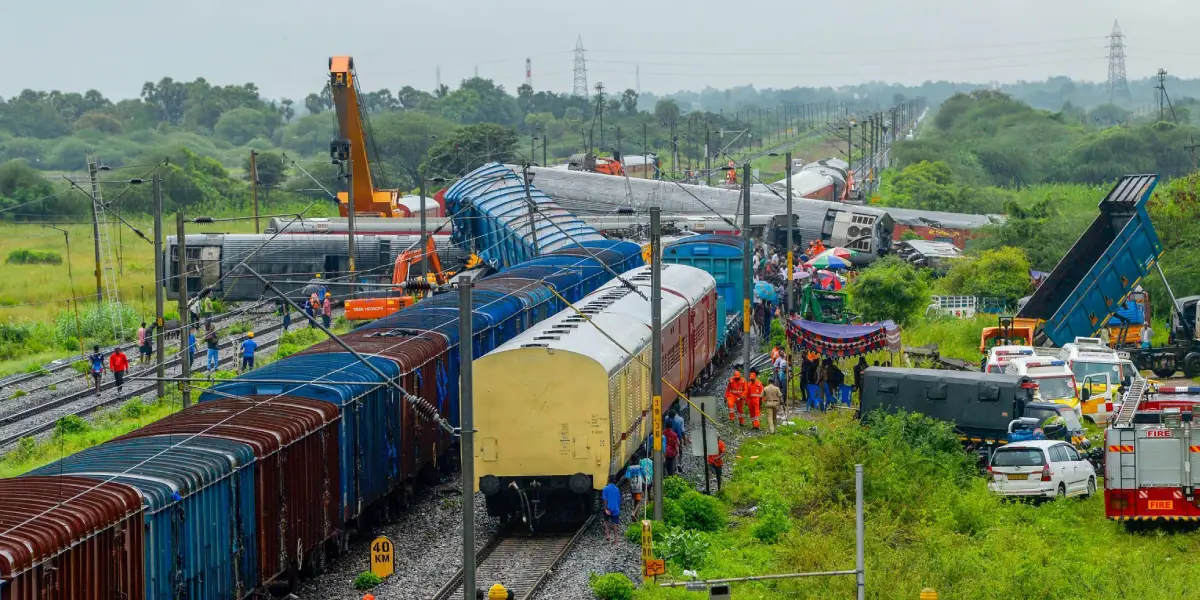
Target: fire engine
1152,456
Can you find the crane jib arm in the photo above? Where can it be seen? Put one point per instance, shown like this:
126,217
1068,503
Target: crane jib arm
368,201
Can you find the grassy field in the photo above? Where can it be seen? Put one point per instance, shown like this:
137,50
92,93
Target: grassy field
930,522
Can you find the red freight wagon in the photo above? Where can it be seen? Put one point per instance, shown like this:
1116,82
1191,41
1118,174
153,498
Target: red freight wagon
68,538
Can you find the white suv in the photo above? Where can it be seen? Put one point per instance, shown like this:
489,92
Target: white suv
1041,468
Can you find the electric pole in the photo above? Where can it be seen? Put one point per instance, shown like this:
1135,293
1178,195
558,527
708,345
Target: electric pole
747,270
339,150
254,186
466,443
160,282
185,355
424,241
533,239
656,356
96,235
707,154
791,303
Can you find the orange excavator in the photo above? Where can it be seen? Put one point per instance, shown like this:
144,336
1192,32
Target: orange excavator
586,161
354,128
369,309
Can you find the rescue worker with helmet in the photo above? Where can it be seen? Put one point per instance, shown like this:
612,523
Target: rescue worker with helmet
735,393
754,394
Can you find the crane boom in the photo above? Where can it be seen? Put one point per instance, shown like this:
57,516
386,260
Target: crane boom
368,201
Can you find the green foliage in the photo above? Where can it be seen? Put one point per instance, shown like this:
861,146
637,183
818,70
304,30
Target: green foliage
95,322
19,339
889,289
1175,210
772,520
469,147
21,256
17,394
296,340
956,338
685,548
366,580
675,487
71,425
1001,273
134,408
694,510
611,586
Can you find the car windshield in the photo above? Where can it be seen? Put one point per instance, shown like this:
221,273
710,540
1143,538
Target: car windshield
1056,388
1018,457
1083,369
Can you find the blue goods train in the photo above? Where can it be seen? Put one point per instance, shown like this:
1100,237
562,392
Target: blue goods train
271,471
719,256
505,220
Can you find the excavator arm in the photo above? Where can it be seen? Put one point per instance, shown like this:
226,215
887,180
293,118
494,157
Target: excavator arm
368,201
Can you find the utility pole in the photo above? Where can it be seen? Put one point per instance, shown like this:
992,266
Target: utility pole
533,239
707,154
424,241
791,303
185,357
674,149
96,236
339,150
466,442
747,270
254,186
619,155
160,282
656,356
545,162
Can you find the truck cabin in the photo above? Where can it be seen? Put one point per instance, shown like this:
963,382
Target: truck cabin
991,337
1183,321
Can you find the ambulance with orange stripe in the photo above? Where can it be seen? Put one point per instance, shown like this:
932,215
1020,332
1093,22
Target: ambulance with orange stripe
1152,463
1100,373
1056,382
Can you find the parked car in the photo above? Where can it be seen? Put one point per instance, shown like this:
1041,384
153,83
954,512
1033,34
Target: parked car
1041,469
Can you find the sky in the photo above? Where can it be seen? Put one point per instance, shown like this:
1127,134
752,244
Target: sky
283,47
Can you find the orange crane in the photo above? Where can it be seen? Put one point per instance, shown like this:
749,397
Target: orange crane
369,309
352,126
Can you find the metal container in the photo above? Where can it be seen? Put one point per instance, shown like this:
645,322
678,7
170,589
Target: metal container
295,441
199,498
369,428
68,538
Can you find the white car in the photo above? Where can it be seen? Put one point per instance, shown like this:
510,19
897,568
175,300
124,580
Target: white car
1041,469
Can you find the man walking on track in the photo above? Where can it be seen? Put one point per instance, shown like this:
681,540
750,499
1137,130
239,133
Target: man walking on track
97,363
734,393
118,363
754,393
671,452
612,509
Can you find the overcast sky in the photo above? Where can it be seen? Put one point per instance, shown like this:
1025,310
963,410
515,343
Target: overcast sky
116,45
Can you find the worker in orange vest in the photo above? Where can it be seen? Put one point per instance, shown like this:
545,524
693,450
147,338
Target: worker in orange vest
735,392
754,392
716,461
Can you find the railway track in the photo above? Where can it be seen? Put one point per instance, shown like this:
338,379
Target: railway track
522,563
133,390
65,364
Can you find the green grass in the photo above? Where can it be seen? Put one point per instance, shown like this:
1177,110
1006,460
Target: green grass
31,362
956,338
930,523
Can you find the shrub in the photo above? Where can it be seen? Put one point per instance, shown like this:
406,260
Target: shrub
685,548
25,450
71,424
17,394
95,322
696,511
21,256
367,580
675,487
611,586
134,409
772,523
633,531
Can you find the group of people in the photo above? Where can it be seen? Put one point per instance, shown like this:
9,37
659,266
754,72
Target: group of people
319,304
117,363
750,396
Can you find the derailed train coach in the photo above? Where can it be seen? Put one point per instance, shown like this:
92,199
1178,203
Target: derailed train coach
214,259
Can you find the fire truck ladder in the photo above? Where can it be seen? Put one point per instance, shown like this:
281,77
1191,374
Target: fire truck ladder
100,215
1129,405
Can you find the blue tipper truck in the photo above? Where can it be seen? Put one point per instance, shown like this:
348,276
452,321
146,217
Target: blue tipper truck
1091,282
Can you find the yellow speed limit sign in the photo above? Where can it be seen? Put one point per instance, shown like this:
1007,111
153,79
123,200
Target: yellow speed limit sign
383,558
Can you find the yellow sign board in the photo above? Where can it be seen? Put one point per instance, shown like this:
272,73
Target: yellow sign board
656,412
746,315
383,558
647,541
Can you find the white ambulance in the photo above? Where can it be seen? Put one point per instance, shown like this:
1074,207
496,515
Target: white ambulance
998,357
1056,382
1099,373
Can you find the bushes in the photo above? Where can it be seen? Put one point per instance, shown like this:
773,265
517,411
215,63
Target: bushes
70,425
21,256
20,339
685,548
95,323
773,522
366,580
611,586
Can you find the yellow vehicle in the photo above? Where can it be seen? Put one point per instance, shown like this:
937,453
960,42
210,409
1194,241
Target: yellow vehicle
1100,372
1056,382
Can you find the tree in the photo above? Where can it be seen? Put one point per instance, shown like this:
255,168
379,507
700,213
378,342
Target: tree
469,147
272,171
999,273
666,111
411,98
241,125
318,103
629,101
287,109
889,289
404,139
169,96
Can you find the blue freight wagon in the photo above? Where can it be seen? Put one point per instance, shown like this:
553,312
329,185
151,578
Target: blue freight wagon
370,411
491,209
1090,283
199,494
720,256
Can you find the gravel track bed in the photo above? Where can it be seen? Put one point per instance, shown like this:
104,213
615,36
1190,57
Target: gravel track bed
428,540
68,380
82,382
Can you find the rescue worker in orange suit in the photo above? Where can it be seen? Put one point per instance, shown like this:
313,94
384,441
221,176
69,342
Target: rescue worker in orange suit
716,461
735,393
754,393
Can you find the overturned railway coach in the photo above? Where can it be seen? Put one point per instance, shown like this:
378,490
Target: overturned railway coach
566,404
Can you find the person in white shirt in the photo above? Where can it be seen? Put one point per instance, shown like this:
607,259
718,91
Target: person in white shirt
1147,333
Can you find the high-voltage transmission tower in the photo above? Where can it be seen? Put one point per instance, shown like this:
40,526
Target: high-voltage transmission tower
1118,85
581,87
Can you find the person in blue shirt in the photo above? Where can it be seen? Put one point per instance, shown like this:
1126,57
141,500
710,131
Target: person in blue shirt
637,484
612,509
248,348
191,345
97,366
677,424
